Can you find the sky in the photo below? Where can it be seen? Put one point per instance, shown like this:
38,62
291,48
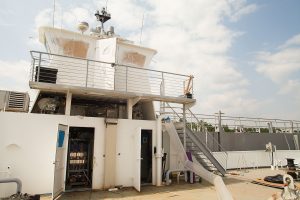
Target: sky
244,55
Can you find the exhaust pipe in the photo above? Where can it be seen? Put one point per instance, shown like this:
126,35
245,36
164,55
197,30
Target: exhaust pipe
13,180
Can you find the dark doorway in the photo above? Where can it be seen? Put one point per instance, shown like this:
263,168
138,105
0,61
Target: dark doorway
146,154
80,158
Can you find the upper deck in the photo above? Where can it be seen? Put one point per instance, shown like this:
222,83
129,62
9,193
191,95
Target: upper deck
61,73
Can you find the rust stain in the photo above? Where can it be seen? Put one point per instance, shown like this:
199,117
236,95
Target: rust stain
134,58
73,48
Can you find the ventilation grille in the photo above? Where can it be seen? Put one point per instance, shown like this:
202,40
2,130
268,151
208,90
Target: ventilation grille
17,101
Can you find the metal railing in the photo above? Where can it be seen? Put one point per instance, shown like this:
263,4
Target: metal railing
223,155
176,115
73,71
231,124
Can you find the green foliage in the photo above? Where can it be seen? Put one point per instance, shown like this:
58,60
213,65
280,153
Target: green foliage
227,129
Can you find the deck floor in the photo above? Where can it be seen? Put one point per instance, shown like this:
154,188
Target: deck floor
239,185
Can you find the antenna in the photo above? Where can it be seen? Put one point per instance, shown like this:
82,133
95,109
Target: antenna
142,28
106,5
53,13
102,16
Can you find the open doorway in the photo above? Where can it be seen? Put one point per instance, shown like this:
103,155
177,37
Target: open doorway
80,158
60,161
146,155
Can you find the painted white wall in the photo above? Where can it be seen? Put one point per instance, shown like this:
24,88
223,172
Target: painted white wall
237,159
28,146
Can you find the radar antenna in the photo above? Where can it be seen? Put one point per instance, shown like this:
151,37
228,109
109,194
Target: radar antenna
102,16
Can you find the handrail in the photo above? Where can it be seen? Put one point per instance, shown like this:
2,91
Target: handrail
90,73
103,62
219,145
244,124
224,154
172,109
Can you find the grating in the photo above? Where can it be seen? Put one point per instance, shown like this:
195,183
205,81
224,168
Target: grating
16,100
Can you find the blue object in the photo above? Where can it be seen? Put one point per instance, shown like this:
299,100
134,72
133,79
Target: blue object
60,138
167,119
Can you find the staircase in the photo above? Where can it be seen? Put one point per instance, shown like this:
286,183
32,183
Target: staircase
198,148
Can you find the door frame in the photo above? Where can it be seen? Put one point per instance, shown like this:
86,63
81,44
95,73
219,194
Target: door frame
65,128
92,165
152,156
137,157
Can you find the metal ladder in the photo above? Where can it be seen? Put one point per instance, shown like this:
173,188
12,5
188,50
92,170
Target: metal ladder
199,149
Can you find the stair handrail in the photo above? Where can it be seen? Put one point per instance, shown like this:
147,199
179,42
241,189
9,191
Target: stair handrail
219,145
223,156
173,110
212,138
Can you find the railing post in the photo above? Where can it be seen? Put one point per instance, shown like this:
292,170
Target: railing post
113,66
162,93
193,87
126,78
184,127
163,83
33,66
87,73
39,66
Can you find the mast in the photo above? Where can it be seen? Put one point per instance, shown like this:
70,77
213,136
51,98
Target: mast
102,16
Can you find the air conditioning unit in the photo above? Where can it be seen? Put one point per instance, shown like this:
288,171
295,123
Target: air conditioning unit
14,101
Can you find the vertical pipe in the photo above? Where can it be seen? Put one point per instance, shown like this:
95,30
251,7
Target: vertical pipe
159,153
220,122
184,127
220,129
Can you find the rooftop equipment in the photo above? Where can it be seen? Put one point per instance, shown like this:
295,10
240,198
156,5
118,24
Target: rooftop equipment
14,101
83,26
102,16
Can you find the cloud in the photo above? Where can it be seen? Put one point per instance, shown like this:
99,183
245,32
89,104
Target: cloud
14,75
240,9
291,87
294,41
5,15
66,18
282,66
190,37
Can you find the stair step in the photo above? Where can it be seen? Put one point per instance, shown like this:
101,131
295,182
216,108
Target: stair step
191,141
178,125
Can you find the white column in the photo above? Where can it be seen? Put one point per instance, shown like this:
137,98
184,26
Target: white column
130,104
159,151
68,103
184,126
129,108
